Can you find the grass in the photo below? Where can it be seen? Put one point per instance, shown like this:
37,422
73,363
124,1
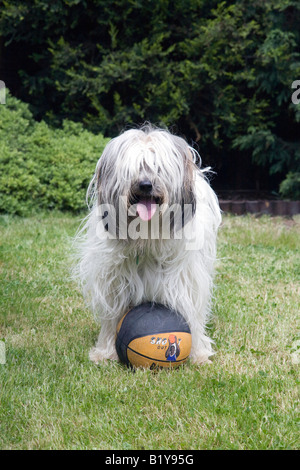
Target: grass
52,397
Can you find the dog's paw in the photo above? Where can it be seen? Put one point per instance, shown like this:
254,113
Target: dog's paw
99,355
200,359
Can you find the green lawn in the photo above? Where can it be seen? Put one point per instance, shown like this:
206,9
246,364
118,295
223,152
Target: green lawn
53,397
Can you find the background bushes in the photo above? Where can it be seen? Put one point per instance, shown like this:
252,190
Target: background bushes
218,72
41,167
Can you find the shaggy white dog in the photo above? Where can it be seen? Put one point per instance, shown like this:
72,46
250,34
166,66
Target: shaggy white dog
150,235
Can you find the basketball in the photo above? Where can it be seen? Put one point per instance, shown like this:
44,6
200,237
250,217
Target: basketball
153,336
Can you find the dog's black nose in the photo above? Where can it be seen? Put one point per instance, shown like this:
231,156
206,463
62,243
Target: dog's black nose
145,186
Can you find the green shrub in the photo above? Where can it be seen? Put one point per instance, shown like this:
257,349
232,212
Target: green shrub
218,72
290,187
41,167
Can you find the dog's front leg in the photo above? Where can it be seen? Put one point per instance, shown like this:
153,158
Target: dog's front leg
105,347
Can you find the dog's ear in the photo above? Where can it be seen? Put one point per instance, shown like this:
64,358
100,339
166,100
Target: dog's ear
98,192
98,185
188,202
188,205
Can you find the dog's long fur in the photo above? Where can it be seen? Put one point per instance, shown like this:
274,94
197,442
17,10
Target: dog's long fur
117,274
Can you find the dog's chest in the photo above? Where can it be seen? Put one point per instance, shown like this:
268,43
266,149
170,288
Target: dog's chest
147,278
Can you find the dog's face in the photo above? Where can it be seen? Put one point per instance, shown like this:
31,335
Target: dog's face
145,173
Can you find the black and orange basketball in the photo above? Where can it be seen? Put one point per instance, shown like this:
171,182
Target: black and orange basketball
152,335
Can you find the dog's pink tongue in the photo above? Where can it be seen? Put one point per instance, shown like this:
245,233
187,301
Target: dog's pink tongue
146,209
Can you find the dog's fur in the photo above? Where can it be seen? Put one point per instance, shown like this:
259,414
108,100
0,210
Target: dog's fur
118,271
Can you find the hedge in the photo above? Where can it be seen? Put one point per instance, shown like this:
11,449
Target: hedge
42,167
220,72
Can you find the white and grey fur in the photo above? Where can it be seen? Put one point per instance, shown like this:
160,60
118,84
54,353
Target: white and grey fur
117,274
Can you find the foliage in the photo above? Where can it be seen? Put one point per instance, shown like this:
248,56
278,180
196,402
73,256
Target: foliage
290,187
221,72
43,168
